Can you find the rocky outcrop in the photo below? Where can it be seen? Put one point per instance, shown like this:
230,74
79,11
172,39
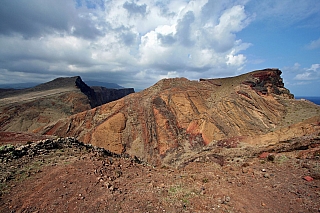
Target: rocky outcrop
268,82
30,150
100,95
41,147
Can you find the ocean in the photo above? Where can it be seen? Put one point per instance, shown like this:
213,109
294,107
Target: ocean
315,100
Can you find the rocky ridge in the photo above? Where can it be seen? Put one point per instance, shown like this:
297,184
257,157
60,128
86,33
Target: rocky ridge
177,119
25,110
40,148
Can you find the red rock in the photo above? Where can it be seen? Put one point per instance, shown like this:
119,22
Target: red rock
264,155
308,178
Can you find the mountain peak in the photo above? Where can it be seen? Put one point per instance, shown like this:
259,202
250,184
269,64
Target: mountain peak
61,82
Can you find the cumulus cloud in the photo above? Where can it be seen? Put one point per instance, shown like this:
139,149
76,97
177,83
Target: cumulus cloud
133,43
37,18
134,8
304,76
309,74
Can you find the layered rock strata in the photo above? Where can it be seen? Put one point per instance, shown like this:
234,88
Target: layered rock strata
176,119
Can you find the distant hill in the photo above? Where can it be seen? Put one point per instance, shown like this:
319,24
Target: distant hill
30,108
33,84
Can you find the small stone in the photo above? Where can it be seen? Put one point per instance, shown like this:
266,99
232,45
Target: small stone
245,164
263,170
264,155
306,166
308,178
245,169
266,175
108,185
271,157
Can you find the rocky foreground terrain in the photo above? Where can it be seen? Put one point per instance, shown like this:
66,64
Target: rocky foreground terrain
240,144
65,175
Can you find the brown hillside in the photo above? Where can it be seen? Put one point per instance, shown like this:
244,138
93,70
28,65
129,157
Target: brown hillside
28,109
177,120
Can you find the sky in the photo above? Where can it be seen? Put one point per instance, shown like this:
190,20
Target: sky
136,43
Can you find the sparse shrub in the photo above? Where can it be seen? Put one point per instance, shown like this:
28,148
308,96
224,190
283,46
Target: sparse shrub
179,193
205,180
281,159
6,148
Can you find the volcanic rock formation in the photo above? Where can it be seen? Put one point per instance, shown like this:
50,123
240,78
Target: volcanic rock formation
105,95
177,119
29,109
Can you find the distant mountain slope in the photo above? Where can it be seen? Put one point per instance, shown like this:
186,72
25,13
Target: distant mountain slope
33,84
31,108
176,119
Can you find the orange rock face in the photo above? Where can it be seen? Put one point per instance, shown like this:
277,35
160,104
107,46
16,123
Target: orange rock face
177,118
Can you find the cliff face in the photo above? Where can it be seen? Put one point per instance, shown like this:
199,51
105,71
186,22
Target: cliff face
101,95
175,119
104,95
30,109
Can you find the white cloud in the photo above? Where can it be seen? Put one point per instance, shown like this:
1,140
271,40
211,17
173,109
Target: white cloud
134,8
308,74
296,66
304,76
124,41
314,68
